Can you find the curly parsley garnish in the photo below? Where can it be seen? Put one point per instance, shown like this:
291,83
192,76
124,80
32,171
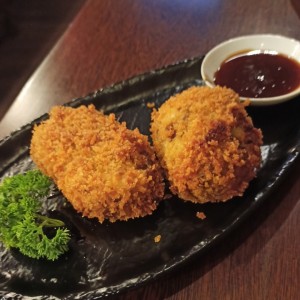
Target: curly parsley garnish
21,225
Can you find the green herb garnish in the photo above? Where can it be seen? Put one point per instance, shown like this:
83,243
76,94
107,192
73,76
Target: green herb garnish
21,225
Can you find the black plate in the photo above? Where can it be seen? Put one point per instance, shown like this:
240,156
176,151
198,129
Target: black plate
105,259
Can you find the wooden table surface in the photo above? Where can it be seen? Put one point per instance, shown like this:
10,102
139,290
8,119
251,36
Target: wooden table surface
109,41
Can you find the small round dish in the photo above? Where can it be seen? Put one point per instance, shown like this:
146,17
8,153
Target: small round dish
261,42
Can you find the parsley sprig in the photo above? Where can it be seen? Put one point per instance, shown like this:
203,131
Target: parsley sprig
21,224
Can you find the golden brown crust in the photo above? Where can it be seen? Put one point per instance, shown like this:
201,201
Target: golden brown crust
206,143
104,169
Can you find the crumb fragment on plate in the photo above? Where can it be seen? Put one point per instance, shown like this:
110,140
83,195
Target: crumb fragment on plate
167,196
150,104
201,215
157,238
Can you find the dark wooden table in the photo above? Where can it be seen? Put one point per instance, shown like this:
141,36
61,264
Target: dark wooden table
109,41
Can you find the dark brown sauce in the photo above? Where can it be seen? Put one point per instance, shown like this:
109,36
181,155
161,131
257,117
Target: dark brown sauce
259,74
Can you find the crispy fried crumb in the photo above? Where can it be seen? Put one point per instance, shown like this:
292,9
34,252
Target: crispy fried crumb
150,104
167,196
157,238
200,215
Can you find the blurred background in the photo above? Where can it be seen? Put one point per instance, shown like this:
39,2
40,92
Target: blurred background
28,30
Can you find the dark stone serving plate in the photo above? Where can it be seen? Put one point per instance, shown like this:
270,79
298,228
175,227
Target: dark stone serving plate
107,258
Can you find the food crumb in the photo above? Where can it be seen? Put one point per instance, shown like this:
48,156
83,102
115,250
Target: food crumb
150,104
157,238
167,196
200,215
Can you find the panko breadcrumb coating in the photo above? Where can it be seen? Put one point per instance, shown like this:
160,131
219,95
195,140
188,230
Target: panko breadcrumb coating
206,144
104,169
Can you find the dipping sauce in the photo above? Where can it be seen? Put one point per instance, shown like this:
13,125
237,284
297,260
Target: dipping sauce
257,74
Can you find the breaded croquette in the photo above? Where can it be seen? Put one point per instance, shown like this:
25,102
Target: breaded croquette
104,169
206,143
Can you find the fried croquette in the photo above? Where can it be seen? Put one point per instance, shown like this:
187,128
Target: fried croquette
104,169
206,143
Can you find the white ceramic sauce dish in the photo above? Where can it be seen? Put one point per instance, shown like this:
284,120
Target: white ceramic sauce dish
262,42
